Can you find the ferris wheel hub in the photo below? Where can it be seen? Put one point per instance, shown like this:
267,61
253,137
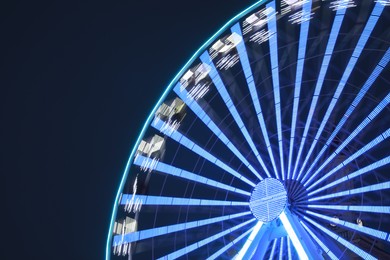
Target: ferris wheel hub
268,200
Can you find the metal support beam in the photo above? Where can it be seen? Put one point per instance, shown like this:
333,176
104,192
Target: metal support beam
303,244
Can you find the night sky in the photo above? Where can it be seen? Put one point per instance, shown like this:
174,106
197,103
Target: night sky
78,80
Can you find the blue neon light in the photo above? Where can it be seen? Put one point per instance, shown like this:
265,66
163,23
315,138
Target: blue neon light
342,241
351,65
361,151
358,129
357,173
194,106
374,187
172,201
154,232
174,171
205,58
306,9
289,248
321,76
374,75
320,243
281,248
183,140
273,45
372,209
271,255
203,242
370,231
241,49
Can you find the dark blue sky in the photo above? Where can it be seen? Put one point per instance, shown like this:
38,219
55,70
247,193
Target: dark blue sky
78,80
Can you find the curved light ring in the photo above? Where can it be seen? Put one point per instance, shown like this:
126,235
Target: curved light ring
150,117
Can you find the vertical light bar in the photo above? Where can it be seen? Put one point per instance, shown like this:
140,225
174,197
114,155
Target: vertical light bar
205,241
306,9
348,70
289,248
205,58
174,171
293,236
249,241
321,76
273,249
342,241
371,79
320,243
183,140
202,115
355,174
159,231
252,90
382,105
273,45
366,230
364,149
225,248
281,248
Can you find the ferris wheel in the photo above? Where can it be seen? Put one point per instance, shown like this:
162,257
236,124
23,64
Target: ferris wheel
271,142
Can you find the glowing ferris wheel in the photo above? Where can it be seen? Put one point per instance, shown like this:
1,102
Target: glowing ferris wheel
271,142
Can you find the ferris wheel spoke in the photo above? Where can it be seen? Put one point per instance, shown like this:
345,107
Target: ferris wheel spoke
369,188
306,8
350,246
366,230
202,115
320,243
180,138
206,59
355,174
372,209
232,243
205,241
271,255
321,77
175,201
289,248
273,45
347,73
382,105
376,141
281,248
160,231
241,49
174,171
374,75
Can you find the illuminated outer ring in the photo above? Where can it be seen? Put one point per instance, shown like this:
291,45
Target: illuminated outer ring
294,105
159,102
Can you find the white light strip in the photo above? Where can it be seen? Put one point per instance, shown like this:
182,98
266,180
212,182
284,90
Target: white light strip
249,241
271,255
281,248
293,236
